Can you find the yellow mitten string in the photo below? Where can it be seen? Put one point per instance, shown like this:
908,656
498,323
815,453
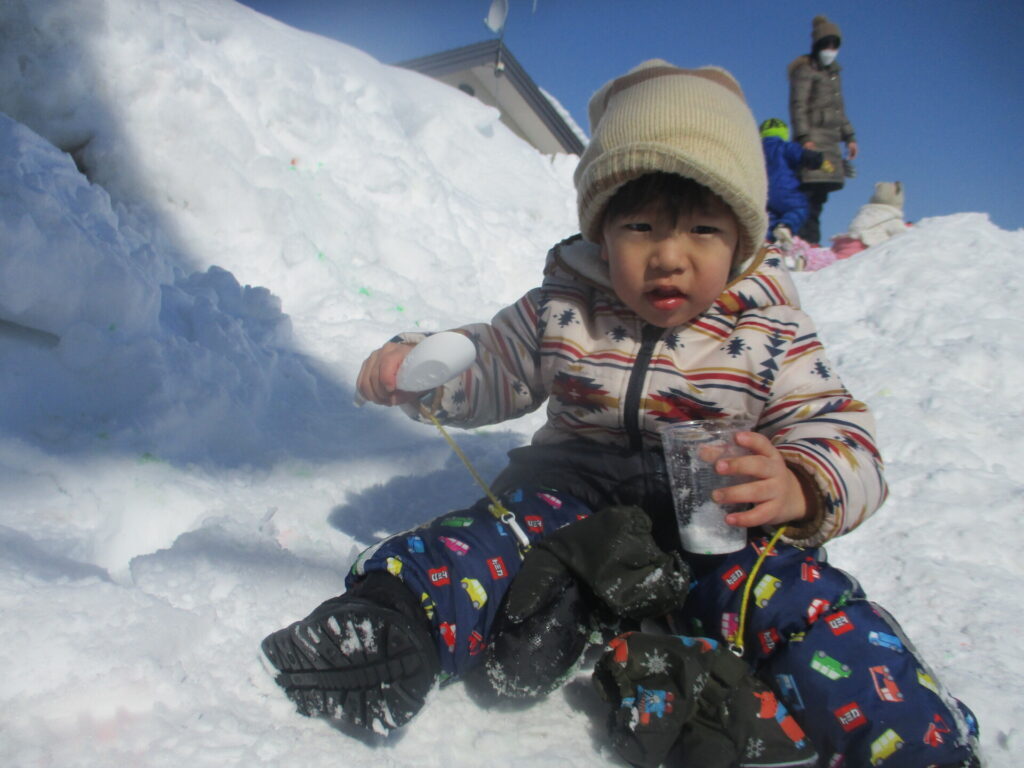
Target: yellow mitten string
496,507
736,641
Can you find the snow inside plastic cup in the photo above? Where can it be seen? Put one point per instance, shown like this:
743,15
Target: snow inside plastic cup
691,450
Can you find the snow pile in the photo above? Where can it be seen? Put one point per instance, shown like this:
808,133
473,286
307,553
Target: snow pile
924,328
208,219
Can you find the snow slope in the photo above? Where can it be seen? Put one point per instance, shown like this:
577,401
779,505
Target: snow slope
207,219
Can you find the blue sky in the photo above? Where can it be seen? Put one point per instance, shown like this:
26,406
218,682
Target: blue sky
934,88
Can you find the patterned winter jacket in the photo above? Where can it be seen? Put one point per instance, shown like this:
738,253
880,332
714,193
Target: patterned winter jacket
610,378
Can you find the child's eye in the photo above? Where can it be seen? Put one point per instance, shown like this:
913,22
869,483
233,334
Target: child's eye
638,226
705,229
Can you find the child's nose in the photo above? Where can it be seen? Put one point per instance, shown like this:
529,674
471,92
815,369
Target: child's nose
670,254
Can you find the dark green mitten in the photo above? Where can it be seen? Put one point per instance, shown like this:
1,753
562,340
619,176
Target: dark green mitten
614,555
543,625
690,702
540,632
540,580
652,691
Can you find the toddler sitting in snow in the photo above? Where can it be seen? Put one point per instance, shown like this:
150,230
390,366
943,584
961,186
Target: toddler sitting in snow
668,308
877,221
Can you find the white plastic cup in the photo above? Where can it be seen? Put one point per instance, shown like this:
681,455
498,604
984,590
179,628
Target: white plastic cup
435,360
691,450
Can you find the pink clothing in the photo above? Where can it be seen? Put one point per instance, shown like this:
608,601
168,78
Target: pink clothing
813,257
845,246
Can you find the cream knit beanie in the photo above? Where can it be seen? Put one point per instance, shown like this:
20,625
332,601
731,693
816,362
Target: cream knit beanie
888,193
691,122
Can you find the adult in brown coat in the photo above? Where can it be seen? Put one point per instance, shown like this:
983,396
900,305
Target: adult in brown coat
818,120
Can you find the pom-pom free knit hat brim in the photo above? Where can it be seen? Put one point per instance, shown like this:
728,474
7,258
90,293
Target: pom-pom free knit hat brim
821,28
889,193
691,122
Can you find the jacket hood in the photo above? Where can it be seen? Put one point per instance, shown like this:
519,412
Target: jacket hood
764,282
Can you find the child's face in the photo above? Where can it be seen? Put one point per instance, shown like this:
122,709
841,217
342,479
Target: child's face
670,272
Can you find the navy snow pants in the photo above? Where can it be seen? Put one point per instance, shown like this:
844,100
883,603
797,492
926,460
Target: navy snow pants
840,663
460,565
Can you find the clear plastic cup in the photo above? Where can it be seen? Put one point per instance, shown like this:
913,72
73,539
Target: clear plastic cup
691,450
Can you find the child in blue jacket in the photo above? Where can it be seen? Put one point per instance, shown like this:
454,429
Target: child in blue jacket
787,204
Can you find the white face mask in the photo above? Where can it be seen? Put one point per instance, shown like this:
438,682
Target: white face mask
827,55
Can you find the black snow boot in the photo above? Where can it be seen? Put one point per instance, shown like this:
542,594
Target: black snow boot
366,658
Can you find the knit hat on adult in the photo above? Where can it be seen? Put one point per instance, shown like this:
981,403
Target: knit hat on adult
821,27
888,193
691,122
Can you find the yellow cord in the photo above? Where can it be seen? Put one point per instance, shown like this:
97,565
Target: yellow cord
496,507
736,641
458,452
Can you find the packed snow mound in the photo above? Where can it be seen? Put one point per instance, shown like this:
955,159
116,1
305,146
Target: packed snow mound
225,185
136,348
938,301
927,329
243,155
208,219
926,293
67,230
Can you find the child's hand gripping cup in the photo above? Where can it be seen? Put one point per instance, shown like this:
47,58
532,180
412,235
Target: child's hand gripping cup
691,450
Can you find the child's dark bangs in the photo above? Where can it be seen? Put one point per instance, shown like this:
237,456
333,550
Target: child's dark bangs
668,193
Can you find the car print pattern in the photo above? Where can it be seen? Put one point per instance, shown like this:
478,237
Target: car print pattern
840,663
460,566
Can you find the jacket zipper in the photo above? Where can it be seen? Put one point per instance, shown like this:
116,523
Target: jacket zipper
634,391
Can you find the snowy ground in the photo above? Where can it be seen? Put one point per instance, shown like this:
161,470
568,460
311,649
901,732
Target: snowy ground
182,469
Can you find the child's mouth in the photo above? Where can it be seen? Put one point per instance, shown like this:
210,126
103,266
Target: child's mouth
665,298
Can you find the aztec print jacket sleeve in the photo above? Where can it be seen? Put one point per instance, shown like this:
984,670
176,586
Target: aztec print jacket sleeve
826,435
504,382
608,377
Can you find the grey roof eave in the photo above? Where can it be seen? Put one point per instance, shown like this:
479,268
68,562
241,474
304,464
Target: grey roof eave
488,51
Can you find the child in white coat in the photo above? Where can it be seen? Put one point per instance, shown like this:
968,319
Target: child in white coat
882,217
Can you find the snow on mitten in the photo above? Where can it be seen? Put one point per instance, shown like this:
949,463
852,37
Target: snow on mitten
540,631
614,555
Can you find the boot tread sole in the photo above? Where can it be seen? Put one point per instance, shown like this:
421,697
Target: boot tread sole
354,661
